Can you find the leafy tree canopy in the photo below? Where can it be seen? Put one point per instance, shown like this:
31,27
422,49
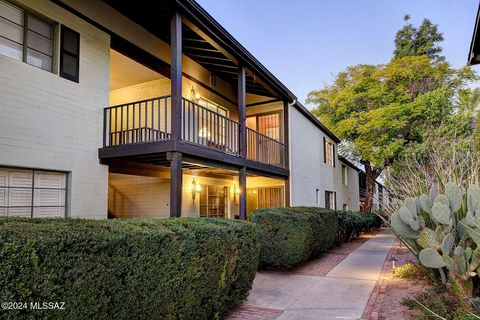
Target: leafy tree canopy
413,41
381,108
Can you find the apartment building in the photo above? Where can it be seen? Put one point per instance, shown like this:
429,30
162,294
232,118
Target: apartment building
134,109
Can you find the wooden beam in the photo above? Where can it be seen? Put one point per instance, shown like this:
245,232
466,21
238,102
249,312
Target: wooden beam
242,113
262,102
242,181
175,184
176,75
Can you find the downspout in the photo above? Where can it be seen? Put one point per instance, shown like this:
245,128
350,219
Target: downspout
291,104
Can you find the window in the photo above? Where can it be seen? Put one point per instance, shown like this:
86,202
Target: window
330,199
345,206
26,37
267,124
213,201
69,54
344,175
270,197
32,193
329,152
317,196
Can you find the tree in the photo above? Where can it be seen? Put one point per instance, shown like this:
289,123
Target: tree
380,109
412,41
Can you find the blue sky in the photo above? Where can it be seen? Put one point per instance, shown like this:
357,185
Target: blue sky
305,43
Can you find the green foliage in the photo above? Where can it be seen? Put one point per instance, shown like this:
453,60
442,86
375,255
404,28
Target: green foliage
290,236
407,271
412,41
127,269
433,305
449,238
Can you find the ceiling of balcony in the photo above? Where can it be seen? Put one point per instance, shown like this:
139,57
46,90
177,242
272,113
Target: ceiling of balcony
155,17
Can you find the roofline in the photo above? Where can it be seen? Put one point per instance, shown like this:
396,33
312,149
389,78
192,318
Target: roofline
300,107
471,56
225,39
348,163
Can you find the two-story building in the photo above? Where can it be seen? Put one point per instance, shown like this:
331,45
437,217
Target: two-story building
133,109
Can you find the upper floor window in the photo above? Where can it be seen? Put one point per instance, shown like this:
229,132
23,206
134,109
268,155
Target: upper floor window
213,107
26,37
344,175
329,152
69,54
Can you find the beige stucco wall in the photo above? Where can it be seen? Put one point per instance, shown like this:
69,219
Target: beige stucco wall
52,123
348,194
308,172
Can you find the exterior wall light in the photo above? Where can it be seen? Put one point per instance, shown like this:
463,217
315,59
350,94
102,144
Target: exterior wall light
196,188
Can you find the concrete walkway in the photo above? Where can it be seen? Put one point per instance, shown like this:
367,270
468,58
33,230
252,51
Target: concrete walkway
340,293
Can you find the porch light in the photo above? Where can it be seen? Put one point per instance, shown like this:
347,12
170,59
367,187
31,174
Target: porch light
194,95
204,133
235,192
196,188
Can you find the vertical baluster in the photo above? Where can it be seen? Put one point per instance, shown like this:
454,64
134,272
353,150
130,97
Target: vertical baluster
121,125
158,119
166,117
152,103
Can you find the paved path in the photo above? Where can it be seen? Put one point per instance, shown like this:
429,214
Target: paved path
312,293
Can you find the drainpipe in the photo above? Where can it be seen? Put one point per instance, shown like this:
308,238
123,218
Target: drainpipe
291,104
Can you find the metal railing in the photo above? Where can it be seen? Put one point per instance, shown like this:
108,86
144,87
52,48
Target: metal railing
149,120
209,129
137,122
262,148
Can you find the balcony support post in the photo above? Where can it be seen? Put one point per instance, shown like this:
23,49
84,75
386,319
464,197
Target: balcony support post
242,182
175,183
176,75
242,113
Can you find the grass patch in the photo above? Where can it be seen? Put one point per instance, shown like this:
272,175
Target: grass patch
407,271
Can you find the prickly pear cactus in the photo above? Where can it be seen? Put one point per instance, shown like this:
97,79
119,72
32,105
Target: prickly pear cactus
443,230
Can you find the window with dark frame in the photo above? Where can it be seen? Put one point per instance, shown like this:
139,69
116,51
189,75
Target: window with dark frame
330,199
26,37
69,54
329,152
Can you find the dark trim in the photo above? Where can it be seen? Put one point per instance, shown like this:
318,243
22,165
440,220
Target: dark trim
176,182
262,102
189,151
176,75
315,121
212,28
348,163
241,110
475,44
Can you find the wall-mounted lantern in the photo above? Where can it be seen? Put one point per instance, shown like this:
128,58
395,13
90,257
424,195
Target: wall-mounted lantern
196,188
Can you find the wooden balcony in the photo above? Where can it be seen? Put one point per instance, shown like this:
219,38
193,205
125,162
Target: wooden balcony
149,121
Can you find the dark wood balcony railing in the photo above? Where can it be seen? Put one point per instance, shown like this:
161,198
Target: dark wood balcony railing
149,121
262,148
210,129
138,122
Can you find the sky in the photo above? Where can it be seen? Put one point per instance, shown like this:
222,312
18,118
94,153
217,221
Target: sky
305,43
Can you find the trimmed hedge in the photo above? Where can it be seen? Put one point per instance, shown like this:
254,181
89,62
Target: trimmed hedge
290,236
127,269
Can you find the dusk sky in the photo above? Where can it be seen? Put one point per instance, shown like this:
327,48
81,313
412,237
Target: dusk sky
305,43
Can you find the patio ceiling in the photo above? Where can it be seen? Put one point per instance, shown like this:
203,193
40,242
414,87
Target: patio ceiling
154,16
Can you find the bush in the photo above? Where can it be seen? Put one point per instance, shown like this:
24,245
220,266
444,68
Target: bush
352,223
290,236
127,269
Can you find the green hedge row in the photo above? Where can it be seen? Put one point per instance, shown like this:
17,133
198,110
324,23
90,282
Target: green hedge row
290,236
126,269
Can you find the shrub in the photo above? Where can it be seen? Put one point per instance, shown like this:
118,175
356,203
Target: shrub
352,223
290,236
284,238
119,269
